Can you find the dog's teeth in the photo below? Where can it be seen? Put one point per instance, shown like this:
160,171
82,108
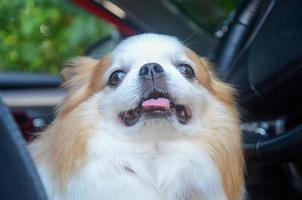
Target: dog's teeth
130,117
182,113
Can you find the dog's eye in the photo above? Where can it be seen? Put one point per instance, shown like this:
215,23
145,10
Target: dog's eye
116,77
186,70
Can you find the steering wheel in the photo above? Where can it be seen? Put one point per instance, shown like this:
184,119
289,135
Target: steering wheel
281,148
240,61
18,176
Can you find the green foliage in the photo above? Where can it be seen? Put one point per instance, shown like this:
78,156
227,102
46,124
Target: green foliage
39,35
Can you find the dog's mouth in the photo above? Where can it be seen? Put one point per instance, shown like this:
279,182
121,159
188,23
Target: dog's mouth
156,105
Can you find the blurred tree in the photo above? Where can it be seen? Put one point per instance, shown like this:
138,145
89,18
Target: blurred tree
38,35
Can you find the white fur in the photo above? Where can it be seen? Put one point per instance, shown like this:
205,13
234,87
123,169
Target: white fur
165,165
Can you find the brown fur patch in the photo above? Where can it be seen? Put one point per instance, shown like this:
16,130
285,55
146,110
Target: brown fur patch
224,145
65,141
201,72
68,144
83,76
206,76
225,138
226,151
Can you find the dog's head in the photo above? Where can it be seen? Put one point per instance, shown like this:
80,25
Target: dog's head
149,81
151,88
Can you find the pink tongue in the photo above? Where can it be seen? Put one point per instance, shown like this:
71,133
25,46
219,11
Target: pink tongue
160,103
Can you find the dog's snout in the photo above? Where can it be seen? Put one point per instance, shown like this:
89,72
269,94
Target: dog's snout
151,71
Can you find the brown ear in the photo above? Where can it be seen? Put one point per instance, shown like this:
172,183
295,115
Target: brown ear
209,67
207,76
75,76
222,90
66,73
76,69
82,77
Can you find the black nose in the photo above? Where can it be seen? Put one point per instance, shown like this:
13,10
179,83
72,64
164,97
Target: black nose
151,71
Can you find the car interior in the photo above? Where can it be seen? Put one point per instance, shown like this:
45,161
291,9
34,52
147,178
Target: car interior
256,47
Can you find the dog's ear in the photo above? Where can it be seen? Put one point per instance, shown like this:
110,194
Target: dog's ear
82,77
221,89
66,73
76,76
77,70
207,76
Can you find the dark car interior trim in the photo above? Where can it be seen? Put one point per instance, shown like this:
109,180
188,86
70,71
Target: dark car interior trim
17,168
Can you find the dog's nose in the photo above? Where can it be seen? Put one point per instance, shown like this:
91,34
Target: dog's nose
151,71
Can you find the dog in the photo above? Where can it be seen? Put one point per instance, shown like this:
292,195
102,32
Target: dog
148,121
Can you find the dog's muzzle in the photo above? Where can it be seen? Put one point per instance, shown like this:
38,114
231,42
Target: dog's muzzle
156,101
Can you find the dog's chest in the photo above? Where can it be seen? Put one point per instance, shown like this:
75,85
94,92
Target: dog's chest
156,171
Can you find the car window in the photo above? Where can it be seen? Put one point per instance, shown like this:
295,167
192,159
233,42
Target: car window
208,14
37,35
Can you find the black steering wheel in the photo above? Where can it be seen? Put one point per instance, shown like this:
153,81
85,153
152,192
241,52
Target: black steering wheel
19,179
268,79
282,148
